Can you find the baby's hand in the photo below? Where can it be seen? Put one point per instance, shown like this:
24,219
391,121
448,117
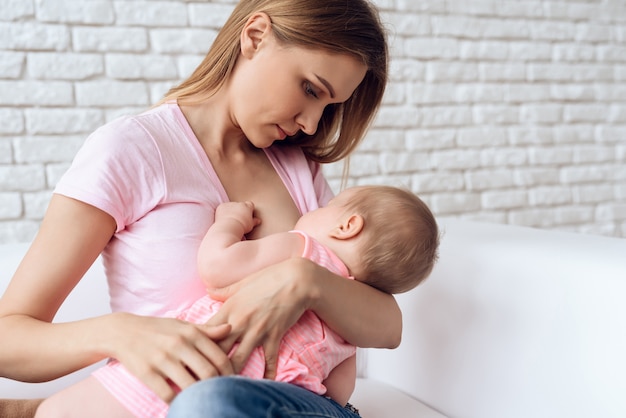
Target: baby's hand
242,212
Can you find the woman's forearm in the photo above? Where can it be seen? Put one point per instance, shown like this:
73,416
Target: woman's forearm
36,351
364,316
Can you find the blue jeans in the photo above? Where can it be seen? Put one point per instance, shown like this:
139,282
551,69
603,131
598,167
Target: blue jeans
241,397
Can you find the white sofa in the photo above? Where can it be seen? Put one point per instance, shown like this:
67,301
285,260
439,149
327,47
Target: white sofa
513,322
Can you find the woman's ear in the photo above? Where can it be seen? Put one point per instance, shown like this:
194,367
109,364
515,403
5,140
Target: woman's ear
256,29
349,227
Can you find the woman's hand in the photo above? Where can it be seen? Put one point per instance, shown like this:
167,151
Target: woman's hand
261,308
162,351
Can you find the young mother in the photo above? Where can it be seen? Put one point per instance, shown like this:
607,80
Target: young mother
287,84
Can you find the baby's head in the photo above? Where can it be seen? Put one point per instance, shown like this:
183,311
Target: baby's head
399,241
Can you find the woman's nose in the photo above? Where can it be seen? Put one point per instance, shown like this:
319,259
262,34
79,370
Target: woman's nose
308,120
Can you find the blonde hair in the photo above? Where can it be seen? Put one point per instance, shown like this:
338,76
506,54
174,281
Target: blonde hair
402,237
350,27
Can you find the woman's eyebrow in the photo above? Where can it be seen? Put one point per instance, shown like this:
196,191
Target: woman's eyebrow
327,85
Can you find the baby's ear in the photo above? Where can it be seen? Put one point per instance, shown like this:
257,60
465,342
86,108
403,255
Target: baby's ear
348,227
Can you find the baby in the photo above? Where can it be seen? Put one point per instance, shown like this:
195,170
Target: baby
383,236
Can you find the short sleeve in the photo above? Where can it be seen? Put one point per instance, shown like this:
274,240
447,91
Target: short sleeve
118,170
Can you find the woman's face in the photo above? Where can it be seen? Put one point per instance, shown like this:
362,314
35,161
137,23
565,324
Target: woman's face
279,90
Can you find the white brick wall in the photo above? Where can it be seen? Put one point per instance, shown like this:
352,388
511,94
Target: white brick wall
498,111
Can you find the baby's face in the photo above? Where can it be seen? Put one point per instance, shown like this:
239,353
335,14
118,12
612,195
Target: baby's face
324,219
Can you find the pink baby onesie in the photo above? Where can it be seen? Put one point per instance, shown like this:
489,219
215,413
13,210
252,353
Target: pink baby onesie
308,352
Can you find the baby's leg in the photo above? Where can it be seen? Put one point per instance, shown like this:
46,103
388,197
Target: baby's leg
87,398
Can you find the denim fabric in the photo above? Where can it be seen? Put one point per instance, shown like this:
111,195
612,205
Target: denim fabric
240,397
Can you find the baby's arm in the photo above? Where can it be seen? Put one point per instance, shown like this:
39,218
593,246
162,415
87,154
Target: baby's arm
223,258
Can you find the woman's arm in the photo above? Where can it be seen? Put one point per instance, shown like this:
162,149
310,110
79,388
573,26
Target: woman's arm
71,236
263,306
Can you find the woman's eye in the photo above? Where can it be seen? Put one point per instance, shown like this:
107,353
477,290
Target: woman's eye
308,89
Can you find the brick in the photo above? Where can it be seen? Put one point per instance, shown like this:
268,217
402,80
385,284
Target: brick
455,26
209,15
568,134
552,31
445,116
395,94
404,162
18,178
6,151
428,48
31,36
504,199
573,215
47,149
54,172
18,231
541,114
480,93
572,92
483,51
535,176
584,154
473,8
396,117
529,51
447,203
140,67
62,121
455,159
430,6
499,157
64,66
527,92
585,113
378,140
610,134
405,24
427,93
550,196
10,205
533,217
593,193
574,52
481,137
72,11
182,41
501,72
158,90
585,174
495,114
36,203
550,156
611,212
430,139
518,9
364,165
437,182
109,39
111,93
530,135
11,64
187,64
12,121
150,13
35,93
16,9
479,180
409,70
451,71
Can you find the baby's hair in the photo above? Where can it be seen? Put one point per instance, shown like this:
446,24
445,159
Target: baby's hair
351,27
402,237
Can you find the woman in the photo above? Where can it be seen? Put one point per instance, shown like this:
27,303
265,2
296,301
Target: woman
286,85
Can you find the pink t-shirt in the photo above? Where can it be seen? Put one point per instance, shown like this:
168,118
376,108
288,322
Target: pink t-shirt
151,174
